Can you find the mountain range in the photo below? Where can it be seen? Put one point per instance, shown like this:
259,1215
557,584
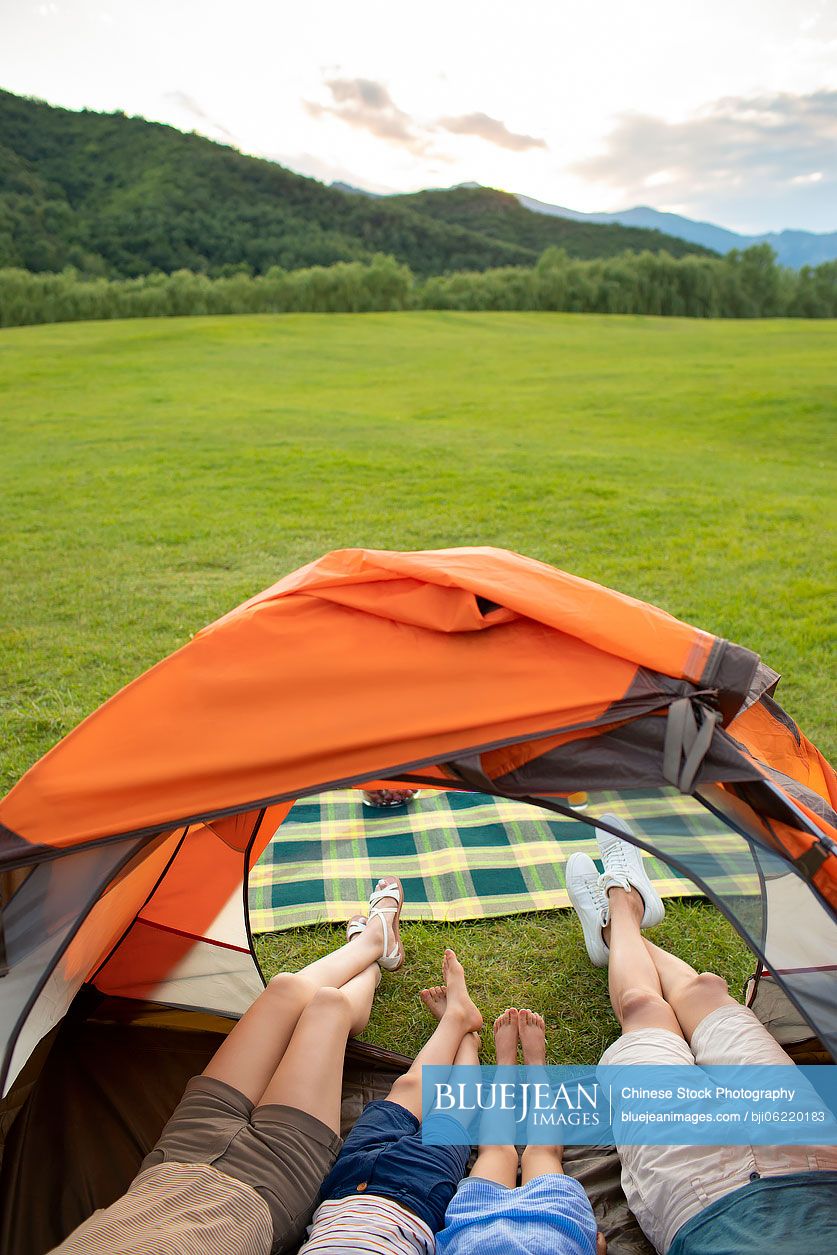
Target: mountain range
121,196
792,248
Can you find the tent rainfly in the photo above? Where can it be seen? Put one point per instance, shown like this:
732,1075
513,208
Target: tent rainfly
125,851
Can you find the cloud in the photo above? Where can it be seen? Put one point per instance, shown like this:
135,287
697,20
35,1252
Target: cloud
492,130
188,105
736,147
367,105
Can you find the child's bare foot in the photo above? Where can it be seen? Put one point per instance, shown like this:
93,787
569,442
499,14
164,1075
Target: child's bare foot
505,1036
435,1000
458,999
532,1032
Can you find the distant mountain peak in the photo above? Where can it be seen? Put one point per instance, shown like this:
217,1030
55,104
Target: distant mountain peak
340,186
792,248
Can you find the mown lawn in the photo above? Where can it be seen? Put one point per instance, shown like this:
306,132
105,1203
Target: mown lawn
154,473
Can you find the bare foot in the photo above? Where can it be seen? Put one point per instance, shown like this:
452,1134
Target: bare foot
505,1036
458,999
532,1032
435,1000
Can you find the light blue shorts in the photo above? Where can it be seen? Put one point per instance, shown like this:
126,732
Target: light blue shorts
550,1215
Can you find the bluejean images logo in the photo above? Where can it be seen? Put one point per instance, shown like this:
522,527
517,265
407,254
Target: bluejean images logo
630,1105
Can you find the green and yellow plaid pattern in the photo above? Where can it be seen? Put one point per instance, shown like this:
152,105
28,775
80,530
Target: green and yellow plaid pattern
460,855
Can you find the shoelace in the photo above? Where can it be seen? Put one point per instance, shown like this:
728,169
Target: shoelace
615,863
598,897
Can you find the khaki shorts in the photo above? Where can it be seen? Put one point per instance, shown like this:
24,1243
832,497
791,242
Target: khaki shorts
284,1154
666,1185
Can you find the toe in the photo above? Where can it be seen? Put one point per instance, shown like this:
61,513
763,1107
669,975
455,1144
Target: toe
388,882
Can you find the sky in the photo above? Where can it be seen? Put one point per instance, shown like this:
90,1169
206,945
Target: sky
723,110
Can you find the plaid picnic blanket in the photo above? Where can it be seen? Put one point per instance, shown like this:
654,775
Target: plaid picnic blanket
459,855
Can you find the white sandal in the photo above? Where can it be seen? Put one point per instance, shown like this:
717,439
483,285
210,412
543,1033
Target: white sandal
356,926
393,952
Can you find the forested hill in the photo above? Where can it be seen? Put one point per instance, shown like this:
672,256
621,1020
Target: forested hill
500,216
120,196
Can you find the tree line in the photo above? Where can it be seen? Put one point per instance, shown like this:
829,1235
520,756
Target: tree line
746,284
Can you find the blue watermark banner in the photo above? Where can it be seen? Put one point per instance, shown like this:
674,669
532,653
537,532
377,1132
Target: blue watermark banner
636,1105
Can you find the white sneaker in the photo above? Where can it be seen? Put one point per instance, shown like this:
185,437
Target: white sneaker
590,902
623,867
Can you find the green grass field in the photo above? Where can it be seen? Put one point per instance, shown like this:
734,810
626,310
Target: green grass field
155,473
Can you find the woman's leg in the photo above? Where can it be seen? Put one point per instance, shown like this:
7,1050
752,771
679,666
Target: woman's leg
341,965
691,995
310,1075
499,1163
250,1054
635,990
459,1018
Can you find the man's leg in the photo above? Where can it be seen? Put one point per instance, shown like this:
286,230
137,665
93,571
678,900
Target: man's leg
656,1179
691,995
459,1019
636,991
250,1054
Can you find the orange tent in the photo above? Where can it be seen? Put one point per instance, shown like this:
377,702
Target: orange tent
124,850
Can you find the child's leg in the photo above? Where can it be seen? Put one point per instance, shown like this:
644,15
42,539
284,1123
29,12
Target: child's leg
384,1154
536,1161
251,1052
499,1163
468,1054
459,1018
310,1075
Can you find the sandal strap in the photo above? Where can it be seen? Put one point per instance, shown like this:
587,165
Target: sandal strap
388,891
392,948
